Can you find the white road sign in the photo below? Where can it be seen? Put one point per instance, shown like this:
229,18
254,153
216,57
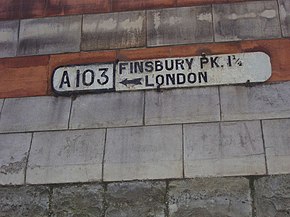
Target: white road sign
193,71
163,73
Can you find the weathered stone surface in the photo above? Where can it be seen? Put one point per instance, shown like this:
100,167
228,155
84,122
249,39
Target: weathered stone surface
77,200
272,196
50,35
182,106
35,114
13,156
107,110
24,201
223,149
285,16
210,197
8,38
179,26
66,156
258,102
143,153
114,30
277,143
246,20
133,199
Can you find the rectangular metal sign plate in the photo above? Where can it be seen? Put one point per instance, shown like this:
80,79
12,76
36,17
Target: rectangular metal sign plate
163,73
193,71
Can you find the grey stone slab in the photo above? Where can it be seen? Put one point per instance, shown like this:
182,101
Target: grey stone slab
257,102
272,196
24,201
114,30
223,149
49,35
210,197
246,20
108,110
13,156
66,156
77,200
143,153
285,16
277,143
8,38
179,26
133,199
182,106
1,105
35,114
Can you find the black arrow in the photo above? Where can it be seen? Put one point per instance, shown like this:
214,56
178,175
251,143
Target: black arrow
135,81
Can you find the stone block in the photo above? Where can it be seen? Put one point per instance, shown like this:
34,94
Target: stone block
277,144
182,106
8,38
1,105
114,30
77,200
223,149
246,20
24,201
143,153
179,26
49,35
257,102
66,156
210,197
35,114
285,17
13,156
272,196
132,199
108,110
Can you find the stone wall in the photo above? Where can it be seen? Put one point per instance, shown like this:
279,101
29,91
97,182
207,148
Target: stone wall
206,151
204,197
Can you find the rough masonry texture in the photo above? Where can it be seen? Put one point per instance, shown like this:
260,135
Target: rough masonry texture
210,197
272,196
77,200
24,201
